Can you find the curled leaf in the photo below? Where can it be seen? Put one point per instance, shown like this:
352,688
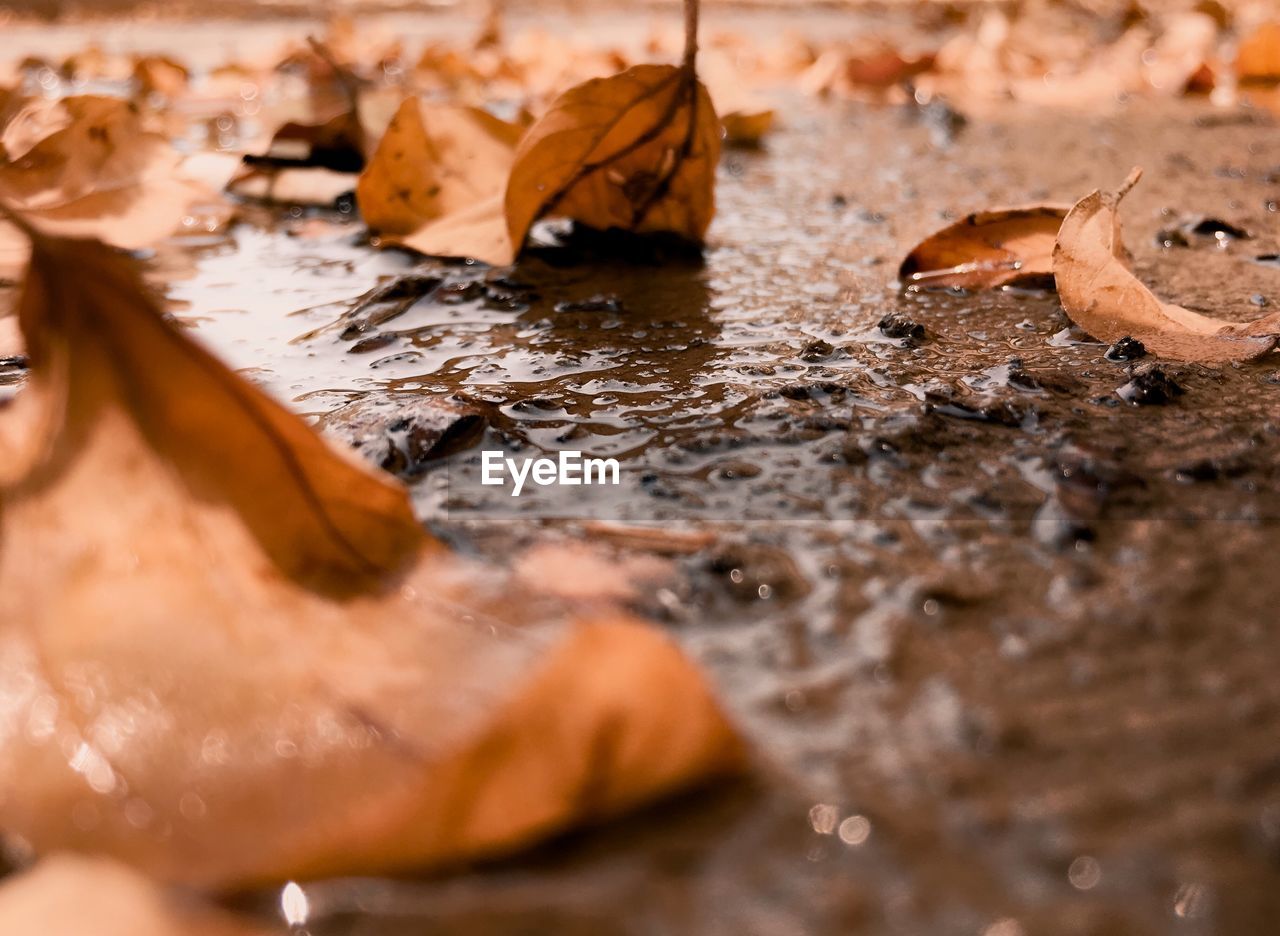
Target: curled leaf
243,659
1101,295
433,167
987,249
320,517
636,151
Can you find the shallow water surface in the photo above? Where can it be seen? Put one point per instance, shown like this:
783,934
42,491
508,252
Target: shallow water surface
1002,637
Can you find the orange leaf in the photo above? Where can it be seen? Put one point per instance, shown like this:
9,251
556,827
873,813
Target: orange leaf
637,151
244,660
747,128
1258,58
432,170
101,173
1101,295
987,249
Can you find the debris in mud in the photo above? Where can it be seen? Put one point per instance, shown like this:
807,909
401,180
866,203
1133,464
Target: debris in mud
1127,348
1001,412
1149,385
301,157
1192,231
817,350
897,326
754,571
403,433
945,123
746,129
373,343
1068,516
603,302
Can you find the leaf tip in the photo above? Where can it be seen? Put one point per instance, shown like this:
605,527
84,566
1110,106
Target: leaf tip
1135,174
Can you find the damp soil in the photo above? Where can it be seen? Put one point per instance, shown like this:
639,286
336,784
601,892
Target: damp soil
996,606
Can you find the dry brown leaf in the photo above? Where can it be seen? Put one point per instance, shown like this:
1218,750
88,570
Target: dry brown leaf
302,158
1101,295
337,144
635,151
747,128
67,895
159,75
1258,57
875,67
102,173
174,698
988,249
1179,60
432,170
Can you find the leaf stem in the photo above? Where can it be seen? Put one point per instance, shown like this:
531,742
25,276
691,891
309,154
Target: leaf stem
350,84
690,34
1134,175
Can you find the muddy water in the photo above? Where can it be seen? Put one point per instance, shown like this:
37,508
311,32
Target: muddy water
1004,638
997,612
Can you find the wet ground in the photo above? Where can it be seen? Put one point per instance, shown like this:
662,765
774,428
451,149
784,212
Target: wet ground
996,610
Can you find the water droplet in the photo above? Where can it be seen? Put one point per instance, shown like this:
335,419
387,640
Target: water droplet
823,817
855,830
294,906
138,813
192,806
1084,873
1006,927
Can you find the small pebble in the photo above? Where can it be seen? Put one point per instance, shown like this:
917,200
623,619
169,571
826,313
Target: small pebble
1149,385
1126,349
897,325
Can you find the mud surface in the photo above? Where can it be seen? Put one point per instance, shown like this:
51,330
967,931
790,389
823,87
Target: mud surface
998,611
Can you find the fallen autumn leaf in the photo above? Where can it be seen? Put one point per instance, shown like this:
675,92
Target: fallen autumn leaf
101,173
1258,58
1101,295
432,168
636,151
987,249
286,677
